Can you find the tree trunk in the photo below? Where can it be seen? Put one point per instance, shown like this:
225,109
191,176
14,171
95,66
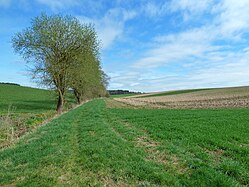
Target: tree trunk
77,95
60,103
78,100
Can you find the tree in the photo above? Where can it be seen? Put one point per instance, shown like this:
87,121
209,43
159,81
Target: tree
87,79
86,76
53,45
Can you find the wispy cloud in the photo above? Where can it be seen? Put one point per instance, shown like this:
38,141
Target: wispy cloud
206,55
189,6
223,70
196,42
173,47
111,26
153,9
157,45
190,9
233,20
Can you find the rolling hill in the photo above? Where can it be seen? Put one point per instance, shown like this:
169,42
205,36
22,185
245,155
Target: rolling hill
234,97
23,109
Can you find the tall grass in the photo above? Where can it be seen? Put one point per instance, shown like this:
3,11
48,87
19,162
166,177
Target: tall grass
24,108
7,130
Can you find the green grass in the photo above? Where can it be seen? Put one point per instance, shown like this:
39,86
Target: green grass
26,99
175,92
96,146
23,108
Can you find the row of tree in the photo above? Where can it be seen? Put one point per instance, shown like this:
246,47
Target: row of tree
63,54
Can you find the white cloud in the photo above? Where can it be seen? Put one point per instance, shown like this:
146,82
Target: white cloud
190,5
233,19
177,47
230,70
204,53
111,25
190,9
229,23
154,9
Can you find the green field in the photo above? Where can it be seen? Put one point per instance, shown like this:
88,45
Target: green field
97,146
25,99
23,108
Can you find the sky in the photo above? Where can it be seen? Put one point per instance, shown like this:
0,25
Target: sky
147,45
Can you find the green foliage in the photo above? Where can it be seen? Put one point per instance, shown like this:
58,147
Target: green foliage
86,77
96,146
58,47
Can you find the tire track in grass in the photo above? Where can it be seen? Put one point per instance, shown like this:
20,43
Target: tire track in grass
131,165
77,174
79,149
71,167
227,173
140,139
97,150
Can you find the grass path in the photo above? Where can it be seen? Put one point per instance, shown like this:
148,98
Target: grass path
97,146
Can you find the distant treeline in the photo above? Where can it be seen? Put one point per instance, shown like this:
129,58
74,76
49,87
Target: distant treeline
9,83
117,92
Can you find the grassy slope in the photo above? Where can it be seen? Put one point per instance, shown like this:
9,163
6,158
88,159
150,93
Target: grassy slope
97,146
23,108
25,99
174,92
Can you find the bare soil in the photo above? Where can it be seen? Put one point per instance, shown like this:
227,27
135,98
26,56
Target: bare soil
215,98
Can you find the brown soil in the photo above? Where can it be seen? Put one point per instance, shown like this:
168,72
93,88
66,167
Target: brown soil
216,98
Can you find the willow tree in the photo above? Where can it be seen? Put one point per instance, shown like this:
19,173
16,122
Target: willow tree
53,44
86,76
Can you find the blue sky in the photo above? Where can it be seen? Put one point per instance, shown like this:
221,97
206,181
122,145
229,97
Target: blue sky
147,45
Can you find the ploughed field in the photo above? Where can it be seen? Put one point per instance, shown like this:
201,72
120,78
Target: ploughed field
108,143
237,97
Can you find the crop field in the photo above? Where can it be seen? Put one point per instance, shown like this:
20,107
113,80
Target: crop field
25,100
122,95
108,143
171,93
237,97
142,93
22,109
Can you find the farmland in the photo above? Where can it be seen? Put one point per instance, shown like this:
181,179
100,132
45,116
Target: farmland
145,93
237,97
172,93
25,99
22,109
125,145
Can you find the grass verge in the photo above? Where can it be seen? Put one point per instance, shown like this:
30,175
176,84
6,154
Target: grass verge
23,109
